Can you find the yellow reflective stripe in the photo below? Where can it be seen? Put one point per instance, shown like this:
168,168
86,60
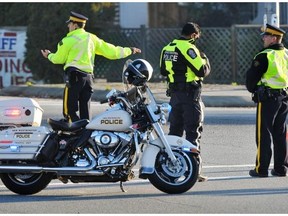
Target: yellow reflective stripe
75,19
65,101
274,32
122,55
259,108
171,72
274,83
79,47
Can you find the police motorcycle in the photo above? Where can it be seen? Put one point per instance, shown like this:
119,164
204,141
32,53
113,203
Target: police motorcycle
105,149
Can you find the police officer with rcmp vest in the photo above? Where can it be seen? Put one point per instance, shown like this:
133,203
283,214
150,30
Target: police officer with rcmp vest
185,67
267,80
77,52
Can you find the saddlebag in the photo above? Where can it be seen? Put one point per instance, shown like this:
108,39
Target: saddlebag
22,142
48,151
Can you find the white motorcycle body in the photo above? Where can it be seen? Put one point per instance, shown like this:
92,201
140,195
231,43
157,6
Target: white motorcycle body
106,149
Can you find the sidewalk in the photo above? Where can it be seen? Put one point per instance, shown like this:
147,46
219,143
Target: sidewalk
213,95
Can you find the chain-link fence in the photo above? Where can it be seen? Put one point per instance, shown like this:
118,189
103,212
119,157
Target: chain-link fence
230,50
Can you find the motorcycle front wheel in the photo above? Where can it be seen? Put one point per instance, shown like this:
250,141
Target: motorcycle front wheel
175,179
26,183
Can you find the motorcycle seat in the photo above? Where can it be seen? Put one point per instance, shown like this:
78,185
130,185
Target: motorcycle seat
60,125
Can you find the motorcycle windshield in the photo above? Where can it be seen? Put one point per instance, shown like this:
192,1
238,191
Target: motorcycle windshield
127,87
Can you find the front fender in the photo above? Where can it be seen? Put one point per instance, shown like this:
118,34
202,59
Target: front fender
149,155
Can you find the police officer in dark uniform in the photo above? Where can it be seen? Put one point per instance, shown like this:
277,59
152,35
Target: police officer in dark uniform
267,80
77,52
185,67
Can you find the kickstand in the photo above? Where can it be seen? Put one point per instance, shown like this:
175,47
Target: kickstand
121,187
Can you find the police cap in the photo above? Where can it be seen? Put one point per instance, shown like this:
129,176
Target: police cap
272,30
76,17
190,28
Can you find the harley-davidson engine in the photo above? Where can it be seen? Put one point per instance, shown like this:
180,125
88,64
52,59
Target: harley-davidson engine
112,147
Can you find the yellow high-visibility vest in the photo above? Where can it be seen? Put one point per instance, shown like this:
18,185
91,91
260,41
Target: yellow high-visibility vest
79,47
276,76
169,55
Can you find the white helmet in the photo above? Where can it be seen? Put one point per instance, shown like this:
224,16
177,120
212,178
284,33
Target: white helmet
138,72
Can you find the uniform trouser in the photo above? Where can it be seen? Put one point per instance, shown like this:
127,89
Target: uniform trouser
186,115
79,90
271,128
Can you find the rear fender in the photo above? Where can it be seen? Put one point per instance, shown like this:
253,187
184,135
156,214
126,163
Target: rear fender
149,155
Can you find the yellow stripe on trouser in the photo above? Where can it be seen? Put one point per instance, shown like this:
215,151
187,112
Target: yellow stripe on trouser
258,135
65,104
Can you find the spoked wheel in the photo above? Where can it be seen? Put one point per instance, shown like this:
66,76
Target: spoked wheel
26,183
175,179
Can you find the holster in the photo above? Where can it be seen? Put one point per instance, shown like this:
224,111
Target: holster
191,88
194,89
71,76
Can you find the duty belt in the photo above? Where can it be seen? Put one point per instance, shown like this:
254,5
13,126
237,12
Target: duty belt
277,91
264,93
73,75
184,86
78,72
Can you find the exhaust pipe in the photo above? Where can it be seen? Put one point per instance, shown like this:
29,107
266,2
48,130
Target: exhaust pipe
58,170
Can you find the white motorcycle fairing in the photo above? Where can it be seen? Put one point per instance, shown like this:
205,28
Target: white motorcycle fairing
147,164
111,120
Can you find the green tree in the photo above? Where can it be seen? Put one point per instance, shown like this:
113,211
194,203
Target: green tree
13,14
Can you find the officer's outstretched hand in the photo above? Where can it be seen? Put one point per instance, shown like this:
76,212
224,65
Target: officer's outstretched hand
45,53
135,50
203,55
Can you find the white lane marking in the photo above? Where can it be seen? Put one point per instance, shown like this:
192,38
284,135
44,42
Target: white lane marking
228,178
229,166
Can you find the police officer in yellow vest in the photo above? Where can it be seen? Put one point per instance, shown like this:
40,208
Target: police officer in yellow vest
77,52
267,80
185,66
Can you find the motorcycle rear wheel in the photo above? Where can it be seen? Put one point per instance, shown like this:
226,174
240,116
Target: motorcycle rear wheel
26,183
175,179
